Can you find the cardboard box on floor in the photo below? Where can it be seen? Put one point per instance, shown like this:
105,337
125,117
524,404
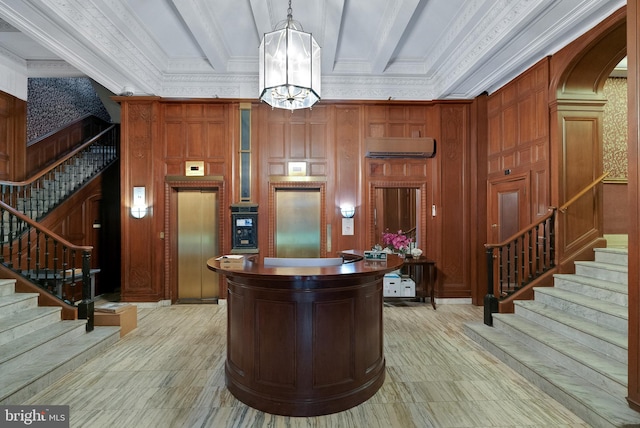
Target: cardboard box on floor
127,319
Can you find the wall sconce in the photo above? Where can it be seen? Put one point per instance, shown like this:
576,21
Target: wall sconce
347,221
347,211
139,205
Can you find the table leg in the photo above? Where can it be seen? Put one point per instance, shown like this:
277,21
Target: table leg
431,284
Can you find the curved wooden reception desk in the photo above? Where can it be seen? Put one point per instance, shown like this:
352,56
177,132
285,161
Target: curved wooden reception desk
304,340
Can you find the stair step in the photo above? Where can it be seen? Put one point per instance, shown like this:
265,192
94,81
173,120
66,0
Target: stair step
606,271
618,256
42,339
592,404
27,321
600,312
598,288
16,302
611,343
604,372
20,382
7,287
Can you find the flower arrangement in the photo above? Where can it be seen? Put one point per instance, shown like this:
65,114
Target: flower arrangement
397,242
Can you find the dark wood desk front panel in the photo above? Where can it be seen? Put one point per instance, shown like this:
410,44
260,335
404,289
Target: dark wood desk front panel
305,341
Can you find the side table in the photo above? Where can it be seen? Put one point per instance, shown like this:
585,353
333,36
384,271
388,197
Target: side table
415,268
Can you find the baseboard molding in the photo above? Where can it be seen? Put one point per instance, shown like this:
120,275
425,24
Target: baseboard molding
456,301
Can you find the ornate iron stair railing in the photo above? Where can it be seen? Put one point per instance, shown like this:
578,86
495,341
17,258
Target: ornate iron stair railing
41,193
47,260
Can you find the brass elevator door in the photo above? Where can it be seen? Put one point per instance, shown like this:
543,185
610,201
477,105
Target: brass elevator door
197,242
298,223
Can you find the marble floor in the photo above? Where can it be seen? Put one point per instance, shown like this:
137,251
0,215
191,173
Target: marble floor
169,372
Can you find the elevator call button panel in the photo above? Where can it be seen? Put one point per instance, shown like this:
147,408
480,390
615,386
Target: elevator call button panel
244,228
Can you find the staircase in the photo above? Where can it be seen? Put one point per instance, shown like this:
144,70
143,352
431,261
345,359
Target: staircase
45,194
37,348
571,341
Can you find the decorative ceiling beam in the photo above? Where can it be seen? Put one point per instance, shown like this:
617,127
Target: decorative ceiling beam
80,34
333,14
201,23
398,15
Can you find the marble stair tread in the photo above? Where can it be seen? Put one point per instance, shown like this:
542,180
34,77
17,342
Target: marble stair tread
602,265
605,334
12,299
594,282
39,337
554,345
593,404
602,270
612,255
7,287
27,316
21,380
608,308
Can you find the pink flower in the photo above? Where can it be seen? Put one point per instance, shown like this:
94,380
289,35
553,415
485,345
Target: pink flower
396,241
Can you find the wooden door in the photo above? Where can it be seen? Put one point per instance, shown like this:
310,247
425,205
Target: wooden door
509,208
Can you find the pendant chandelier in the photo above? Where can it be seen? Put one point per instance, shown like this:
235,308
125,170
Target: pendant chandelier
289,64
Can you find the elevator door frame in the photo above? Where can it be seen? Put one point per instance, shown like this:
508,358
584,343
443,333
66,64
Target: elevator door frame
197,241
170,229
296,185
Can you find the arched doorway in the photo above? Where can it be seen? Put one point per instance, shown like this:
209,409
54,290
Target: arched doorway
578,74
576,96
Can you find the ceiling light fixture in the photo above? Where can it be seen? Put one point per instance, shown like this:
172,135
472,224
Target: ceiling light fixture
289,66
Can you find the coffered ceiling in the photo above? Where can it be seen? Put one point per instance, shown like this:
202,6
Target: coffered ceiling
371,49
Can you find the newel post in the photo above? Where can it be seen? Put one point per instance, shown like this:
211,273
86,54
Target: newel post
490,301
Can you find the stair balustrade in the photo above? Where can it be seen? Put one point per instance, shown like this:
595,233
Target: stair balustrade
57,266
41,193
524,257
519,260
36,253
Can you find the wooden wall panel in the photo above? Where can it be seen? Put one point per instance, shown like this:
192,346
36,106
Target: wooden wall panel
329,139
13,135
349,170
521,110
633,54
51,147
141,274
581,165
173,139
616,215
453,266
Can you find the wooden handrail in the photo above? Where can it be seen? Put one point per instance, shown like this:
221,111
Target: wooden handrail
523,231
36,225
57,163
566,205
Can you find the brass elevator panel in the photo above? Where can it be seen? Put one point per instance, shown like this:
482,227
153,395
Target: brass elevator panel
298,223
197,242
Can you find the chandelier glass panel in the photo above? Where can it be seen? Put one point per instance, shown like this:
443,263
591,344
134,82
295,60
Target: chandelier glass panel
289,61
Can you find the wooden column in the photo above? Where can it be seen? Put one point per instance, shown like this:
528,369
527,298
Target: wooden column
141,265
633,53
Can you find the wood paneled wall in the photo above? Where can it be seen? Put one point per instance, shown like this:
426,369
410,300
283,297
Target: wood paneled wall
51,147
159,136
13,137
518,136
